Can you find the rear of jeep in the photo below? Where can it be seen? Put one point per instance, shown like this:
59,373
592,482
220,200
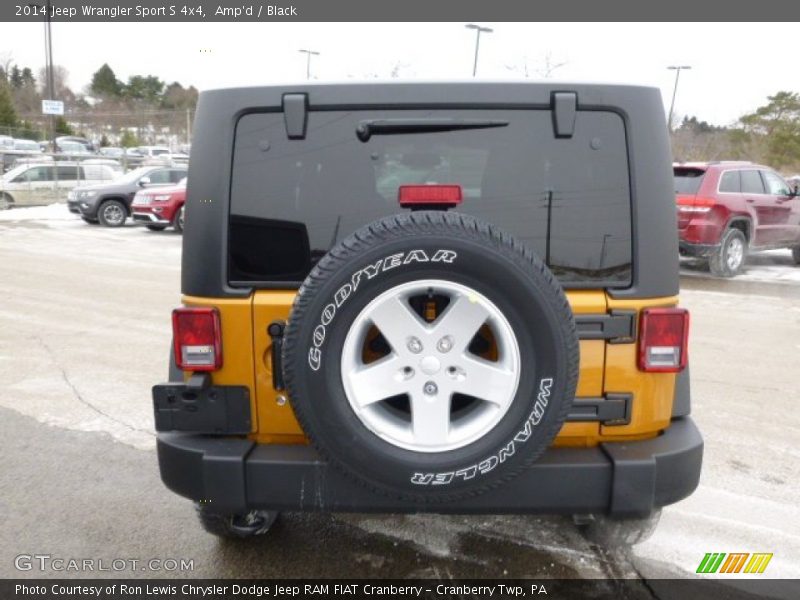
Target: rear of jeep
451,298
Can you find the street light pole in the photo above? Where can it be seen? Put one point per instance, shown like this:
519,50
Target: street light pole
677,69
478,30
308,54
48,57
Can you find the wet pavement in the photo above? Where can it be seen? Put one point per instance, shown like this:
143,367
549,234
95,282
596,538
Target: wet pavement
84,332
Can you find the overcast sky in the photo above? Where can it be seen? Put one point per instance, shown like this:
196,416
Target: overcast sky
735,66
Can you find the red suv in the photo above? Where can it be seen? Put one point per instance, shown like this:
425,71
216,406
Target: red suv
158,208
727,209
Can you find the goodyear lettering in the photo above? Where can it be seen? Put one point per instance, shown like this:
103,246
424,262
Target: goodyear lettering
349,288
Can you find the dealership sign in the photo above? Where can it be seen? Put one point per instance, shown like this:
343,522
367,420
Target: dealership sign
52,107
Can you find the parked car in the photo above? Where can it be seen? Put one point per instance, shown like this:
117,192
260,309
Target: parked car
383,354
112,152
72,139
115,165
159,208
152,151
6,142
12,159
110,203
28,146
73,149
35,184
729,209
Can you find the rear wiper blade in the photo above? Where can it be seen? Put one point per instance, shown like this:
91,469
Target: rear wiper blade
366,129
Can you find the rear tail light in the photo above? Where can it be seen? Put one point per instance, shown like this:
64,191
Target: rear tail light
197,337
663,339
415,196
689,204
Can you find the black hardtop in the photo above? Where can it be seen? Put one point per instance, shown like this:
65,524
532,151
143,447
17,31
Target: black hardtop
654,240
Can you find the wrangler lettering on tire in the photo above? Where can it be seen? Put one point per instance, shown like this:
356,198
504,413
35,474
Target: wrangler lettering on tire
429,356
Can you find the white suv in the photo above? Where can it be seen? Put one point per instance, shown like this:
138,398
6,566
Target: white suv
35,184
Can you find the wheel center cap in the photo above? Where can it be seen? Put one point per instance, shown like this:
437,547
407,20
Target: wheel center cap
430,365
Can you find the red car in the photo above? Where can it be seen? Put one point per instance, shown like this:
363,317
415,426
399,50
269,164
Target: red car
158,208
727,209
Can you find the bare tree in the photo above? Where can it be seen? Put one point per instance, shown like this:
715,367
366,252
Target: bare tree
545,71
549,66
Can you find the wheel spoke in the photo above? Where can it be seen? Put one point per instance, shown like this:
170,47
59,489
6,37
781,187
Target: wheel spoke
461,320
430,417
486,381
397,322
377,381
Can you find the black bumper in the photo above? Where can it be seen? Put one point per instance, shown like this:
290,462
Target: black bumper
697,250
624,479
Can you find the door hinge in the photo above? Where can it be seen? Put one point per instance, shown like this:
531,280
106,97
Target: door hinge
617,327
611,409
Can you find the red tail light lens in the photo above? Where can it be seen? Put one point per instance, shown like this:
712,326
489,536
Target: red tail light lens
411,196
197,337
694,204
663,339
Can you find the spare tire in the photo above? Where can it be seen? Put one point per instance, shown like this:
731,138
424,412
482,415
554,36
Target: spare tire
430,356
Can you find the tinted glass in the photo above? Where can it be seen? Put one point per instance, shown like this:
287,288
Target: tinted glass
292,200
67,173
687,180
39,174
176,176
160,176
775,184
730,182
751,182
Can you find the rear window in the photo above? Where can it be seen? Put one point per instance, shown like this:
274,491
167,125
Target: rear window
568,200
687,180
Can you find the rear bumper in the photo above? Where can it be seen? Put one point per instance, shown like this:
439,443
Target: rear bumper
697,250
623,479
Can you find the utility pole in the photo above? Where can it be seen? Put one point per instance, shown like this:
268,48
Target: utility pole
308,54
48,48
677,70
478,29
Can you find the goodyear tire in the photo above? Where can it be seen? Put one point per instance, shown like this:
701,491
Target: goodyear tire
431,357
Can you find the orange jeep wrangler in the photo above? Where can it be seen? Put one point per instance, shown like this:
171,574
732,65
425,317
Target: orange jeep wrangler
449,298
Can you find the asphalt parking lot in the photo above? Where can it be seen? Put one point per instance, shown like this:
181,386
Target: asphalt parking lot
84,333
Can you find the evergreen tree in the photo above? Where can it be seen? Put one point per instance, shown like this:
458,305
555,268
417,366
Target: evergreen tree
8,115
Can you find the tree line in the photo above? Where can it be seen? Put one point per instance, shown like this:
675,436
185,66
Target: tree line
769,135
143,109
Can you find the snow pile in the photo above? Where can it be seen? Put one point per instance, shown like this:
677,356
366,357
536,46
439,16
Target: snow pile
51,212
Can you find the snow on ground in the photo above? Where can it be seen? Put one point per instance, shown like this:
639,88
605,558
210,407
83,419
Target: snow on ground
773,266
84,333
52,214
